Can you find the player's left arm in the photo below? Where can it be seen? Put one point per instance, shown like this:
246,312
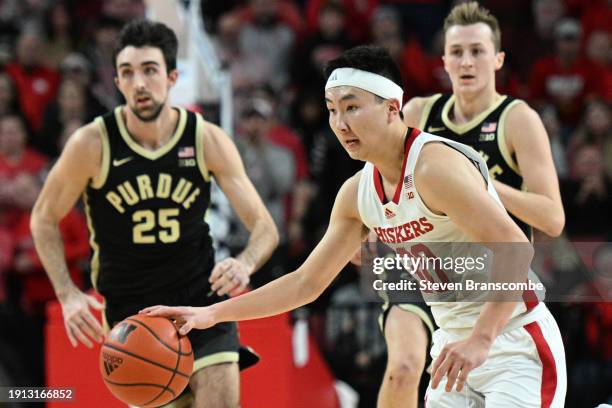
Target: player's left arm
449,184
540,205
224,162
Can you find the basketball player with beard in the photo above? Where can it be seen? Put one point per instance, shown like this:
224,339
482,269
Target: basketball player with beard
144,171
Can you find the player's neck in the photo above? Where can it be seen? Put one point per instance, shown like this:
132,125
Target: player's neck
154,134
390,157
468,106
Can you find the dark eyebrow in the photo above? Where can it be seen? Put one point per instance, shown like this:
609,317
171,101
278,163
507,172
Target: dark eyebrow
344,98
471,45
144,63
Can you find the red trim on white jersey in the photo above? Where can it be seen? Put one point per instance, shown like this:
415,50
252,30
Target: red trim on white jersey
398,189
549,367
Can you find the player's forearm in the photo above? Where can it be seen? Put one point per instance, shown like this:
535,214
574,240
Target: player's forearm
535,209
50,248
281,295
262,242
511,262
492,319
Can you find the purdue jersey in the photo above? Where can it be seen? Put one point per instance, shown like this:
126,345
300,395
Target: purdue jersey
146,210
484,133
407,225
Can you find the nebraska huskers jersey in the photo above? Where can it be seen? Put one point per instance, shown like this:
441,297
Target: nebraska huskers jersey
406,225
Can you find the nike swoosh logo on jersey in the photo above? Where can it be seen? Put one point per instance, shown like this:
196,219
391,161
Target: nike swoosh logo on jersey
117,163
435,129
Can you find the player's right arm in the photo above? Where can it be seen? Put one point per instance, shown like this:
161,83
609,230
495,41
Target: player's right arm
79,163
343,235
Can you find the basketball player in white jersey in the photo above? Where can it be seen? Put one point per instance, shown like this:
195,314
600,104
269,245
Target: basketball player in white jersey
498,352
511,138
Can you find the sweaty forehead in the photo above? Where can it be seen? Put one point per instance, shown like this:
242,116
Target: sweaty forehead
346,92
136,56
469,34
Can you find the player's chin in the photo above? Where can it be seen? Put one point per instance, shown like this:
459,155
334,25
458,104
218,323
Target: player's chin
354,153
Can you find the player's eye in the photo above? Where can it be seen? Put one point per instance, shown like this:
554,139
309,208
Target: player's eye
150,70
351,108
126,73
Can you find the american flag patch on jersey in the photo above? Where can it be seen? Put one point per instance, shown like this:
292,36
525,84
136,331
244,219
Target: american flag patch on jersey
489,127
187,151
408,181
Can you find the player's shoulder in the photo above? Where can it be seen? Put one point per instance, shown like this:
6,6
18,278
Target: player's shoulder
87,140
346,200
436,159
414,108
520,115
212,133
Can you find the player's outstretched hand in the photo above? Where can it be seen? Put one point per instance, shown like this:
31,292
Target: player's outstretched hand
186,317
79,322
230,276
457,359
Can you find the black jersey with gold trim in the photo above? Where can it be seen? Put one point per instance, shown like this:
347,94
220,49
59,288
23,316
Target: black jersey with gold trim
484,133
146,210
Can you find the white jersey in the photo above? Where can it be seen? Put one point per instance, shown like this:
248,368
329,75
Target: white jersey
405,224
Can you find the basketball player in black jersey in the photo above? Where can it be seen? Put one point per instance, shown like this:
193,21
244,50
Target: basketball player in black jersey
144,171
511,138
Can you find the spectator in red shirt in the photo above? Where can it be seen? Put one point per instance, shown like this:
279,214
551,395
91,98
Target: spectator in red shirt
20,168
280,135
37,289
325,44
564,79
358,12
36,84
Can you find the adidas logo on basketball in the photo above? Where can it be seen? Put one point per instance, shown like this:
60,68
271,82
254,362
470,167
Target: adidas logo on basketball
111,363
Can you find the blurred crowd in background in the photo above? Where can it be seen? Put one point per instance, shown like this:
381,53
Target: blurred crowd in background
56,74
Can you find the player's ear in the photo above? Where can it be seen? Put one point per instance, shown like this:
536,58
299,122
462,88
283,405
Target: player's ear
444,63
500,57
393,106
172,77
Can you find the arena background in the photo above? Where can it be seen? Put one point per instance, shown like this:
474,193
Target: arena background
255,67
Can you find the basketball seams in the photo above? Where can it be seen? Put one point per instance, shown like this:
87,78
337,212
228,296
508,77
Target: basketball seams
142,385
158,338
174,372
129,353
147,382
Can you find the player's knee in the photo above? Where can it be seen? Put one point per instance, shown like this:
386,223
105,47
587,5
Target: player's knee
404,373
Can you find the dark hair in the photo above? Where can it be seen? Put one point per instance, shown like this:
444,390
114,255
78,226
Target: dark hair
369,58
146,33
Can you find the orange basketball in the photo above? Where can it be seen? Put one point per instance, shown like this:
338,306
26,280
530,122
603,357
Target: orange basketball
144,361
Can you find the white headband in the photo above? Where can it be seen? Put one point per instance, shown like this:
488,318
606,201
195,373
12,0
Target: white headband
368,81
